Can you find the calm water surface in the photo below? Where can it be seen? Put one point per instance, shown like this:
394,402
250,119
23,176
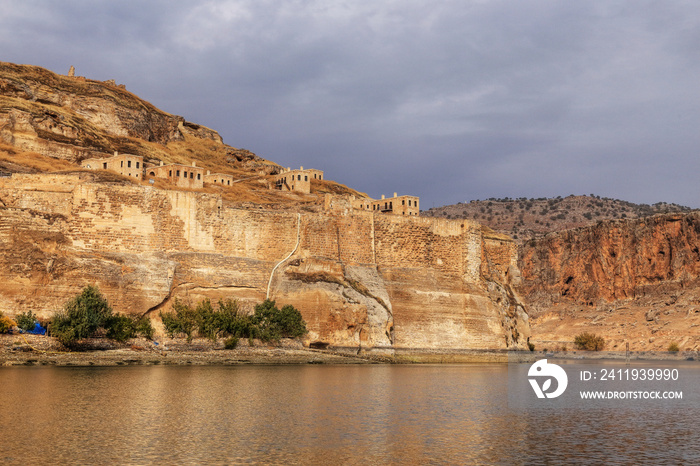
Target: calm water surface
383,414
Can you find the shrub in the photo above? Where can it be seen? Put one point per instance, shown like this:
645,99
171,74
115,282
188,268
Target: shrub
120,328
208,320
144,327
589,342
183,320
673,347
268,322
26,321
274,323
231,343
232,322
6,323
531,346
82,316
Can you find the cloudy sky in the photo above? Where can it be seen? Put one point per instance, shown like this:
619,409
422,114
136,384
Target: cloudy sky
447,100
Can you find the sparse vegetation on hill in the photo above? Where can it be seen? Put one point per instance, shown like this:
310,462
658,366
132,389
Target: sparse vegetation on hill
524,218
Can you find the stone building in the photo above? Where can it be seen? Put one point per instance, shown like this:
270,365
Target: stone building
218,178
398,205
124,164
182,176
297,180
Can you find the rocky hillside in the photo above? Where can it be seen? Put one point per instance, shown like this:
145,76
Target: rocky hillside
51,122
628,272
528,218
74,118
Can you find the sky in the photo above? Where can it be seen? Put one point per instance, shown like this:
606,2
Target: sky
447,100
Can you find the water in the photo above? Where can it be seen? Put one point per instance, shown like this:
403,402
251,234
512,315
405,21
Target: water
378,414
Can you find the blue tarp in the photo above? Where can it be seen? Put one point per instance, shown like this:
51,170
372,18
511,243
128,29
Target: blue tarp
37,330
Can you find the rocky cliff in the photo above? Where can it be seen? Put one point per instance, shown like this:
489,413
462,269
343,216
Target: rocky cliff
360,279
630,280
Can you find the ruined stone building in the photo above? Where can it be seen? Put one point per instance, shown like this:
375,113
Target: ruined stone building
398,205
182,176
297,180
124,164
218,178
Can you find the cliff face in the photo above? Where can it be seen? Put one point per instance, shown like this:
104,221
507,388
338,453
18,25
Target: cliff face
613,260
359,279
615,276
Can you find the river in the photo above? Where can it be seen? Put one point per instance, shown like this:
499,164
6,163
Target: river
319,414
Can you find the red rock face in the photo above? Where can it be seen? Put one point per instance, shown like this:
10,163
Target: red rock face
612,261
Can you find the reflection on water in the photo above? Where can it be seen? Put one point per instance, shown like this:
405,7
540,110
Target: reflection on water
455,414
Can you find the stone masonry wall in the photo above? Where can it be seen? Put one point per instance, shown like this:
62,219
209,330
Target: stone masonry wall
364,278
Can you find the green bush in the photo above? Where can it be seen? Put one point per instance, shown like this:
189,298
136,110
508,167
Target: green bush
267,323
144,327
589,342
208,320
673,347
82,317
231,343
233,322
26,321
273,323
120,328
531,346
183,320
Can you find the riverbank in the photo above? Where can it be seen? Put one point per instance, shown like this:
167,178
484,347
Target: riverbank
17,350
29,350
35,350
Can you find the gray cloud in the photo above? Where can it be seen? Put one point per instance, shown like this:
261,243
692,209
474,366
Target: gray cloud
451,101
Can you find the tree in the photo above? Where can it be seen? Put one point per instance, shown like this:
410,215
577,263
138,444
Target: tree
274,323
82,316
183,320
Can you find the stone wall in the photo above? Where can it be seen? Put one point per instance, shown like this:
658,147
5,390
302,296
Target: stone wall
359,278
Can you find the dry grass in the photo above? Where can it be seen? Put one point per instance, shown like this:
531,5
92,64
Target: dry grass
331,187
79,86
32,161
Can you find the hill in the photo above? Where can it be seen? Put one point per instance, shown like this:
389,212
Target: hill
50,122
524,218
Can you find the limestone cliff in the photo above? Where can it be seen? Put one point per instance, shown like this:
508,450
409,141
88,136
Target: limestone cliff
360,279
617,278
